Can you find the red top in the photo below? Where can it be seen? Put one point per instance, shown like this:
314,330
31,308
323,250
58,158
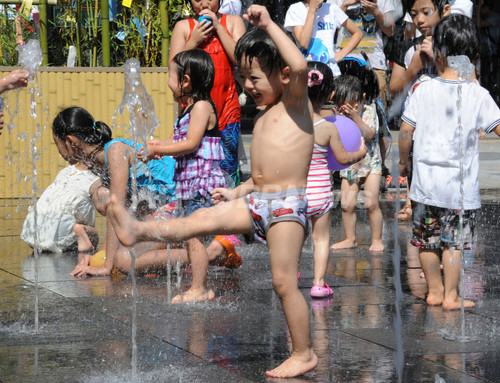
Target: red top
224,92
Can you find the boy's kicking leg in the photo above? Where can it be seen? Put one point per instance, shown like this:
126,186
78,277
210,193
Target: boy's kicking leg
451,269
226,218
285,240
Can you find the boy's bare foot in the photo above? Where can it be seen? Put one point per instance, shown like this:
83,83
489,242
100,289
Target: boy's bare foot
377,246
124,225
294,366
194,296
345,244
457,304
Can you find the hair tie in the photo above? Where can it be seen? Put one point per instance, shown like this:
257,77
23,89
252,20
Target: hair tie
95,127
315,77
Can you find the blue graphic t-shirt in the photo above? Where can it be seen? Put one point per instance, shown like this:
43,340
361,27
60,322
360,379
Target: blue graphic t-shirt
328,19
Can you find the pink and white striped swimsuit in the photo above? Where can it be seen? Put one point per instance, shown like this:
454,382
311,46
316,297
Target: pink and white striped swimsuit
319,186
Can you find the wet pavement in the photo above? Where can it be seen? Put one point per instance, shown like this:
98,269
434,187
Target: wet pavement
85,326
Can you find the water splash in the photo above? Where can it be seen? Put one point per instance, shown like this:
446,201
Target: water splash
143,120
462,65
30,59
465,69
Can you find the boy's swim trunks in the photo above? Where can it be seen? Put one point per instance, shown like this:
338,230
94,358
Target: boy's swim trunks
268,208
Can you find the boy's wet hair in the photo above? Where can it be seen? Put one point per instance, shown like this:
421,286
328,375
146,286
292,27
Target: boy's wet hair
256,43
456,35
318,93
439,4
76,121
346,88
199,66
367,76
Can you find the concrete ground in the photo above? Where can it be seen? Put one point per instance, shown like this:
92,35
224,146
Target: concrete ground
364,333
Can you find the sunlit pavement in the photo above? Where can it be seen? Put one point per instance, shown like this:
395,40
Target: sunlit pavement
85,325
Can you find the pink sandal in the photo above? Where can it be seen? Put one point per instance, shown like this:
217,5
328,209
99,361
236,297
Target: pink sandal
321,291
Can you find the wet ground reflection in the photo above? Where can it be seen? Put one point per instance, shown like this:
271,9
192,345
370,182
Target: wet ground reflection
85,324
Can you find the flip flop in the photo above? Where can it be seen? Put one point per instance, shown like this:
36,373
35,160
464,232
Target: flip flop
233,260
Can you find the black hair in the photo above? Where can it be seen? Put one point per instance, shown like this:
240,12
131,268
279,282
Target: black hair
256,43
198,65
367,76
439,4
76,121
318,93
346,88
456,35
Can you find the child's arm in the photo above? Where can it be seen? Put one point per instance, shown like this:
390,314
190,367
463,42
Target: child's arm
181,41
15,79
235,25
401,76
296,90
341,155
224,194
357,35
303,33
384,21
100,196
201,114
352,111
404,143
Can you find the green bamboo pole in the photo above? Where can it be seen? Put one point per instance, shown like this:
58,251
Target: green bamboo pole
78,32
44,45
165,39
106,45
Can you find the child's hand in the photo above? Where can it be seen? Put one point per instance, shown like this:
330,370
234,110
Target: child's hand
16,79
258,16
152,153
82,271
369,6
222,195
348,110
202,31
426,47
213,17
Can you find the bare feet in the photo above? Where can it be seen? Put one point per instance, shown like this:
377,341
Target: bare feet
345,244
457,304
434,299
124,225
294,366
377,245
84,243
194,296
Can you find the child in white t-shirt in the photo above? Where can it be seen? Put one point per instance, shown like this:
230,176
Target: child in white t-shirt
443,117
314,24
65,213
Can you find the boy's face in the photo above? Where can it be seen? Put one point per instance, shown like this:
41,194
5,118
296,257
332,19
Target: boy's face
265,89
425,15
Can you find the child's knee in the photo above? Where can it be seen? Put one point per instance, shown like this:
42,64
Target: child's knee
283,284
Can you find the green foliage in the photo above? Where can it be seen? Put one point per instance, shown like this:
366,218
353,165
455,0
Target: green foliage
8,44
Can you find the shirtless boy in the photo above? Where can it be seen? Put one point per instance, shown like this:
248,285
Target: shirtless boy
274,73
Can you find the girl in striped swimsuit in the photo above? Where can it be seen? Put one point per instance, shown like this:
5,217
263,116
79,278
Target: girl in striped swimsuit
319,185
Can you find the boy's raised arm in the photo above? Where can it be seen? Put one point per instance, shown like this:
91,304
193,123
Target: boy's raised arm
258,16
